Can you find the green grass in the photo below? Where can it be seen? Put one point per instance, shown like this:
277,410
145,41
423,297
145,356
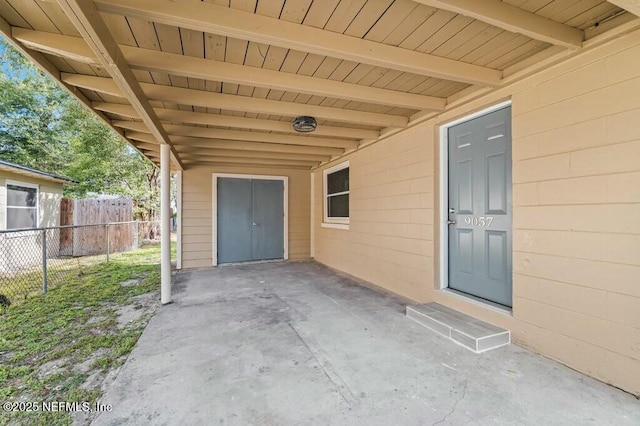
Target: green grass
74,327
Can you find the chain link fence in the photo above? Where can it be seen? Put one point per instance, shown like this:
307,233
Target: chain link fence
31,260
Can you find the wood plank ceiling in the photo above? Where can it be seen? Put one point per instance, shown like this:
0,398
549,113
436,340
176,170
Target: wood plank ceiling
221,80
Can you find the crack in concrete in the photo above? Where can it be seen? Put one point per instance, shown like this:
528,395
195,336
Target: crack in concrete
348,398
464,394
455,404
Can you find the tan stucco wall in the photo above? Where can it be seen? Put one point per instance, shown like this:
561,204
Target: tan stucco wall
197,212
50,194
576,192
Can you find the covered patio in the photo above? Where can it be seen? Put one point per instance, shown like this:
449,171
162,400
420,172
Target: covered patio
484,156
297,343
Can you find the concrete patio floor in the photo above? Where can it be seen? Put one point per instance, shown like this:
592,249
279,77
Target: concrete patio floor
296,343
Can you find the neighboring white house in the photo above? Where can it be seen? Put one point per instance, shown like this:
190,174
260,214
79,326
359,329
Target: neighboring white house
28,199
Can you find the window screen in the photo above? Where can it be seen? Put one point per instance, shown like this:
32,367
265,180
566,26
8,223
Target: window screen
22,207
337,197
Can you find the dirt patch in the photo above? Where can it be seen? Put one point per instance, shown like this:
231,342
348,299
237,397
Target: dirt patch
131,283
87,365
142,305
51,368
97,319
134,281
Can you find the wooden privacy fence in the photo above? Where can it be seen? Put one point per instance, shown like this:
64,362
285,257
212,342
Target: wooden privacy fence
90,240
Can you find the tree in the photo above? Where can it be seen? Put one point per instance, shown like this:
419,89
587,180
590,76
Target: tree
43,127
31,109
102,163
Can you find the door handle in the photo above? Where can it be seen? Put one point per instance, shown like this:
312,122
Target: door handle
451,222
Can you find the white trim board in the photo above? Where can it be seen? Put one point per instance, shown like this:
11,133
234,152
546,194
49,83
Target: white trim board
443,187
214,210
333,222
312,218
179,219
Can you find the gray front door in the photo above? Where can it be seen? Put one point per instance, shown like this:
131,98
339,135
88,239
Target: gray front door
250,219
480,207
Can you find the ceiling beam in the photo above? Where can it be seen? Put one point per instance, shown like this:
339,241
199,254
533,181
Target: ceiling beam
148,146
267,138
232,151
142,137
136,126
211,18
188,117
632,6
240,135
104,85
265,125
206,99
212,163
186,141
68,47
123,110
250,154
243,136
87,20
218,120
512,18
221,159
76,49
255,146
207,69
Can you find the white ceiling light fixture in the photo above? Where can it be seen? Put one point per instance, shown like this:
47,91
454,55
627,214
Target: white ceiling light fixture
304,124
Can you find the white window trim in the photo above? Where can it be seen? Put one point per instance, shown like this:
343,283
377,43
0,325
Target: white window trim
214,224
25,185
334,222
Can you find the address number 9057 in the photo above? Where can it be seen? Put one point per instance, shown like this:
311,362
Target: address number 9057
481,221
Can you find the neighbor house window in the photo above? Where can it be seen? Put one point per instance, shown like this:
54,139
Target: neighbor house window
22,205
336,194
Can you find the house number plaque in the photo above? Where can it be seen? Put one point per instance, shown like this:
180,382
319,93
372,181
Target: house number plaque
481,221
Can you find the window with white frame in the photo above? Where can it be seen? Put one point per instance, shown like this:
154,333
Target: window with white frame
336,194
22,205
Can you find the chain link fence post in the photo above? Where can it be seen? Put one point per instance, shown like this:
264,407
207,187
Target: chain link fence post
44,261
34,259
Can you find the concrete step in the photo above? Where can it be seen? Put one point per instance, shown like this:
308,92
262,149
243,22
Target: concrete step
475,335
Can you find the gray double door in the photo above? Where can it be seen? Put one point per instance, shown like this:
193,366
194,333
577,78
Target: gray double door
479,219
250,219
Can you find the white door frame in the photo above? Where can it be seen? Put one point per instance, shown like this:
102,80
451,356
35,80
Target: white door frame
214,230
444,186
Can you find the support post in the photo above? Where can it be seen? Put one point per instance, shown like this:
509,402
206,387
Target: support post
44,261
165,226
179,219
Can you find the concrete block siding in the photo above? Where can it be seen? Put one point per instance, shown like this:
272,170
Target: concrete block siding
576,204
391,231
